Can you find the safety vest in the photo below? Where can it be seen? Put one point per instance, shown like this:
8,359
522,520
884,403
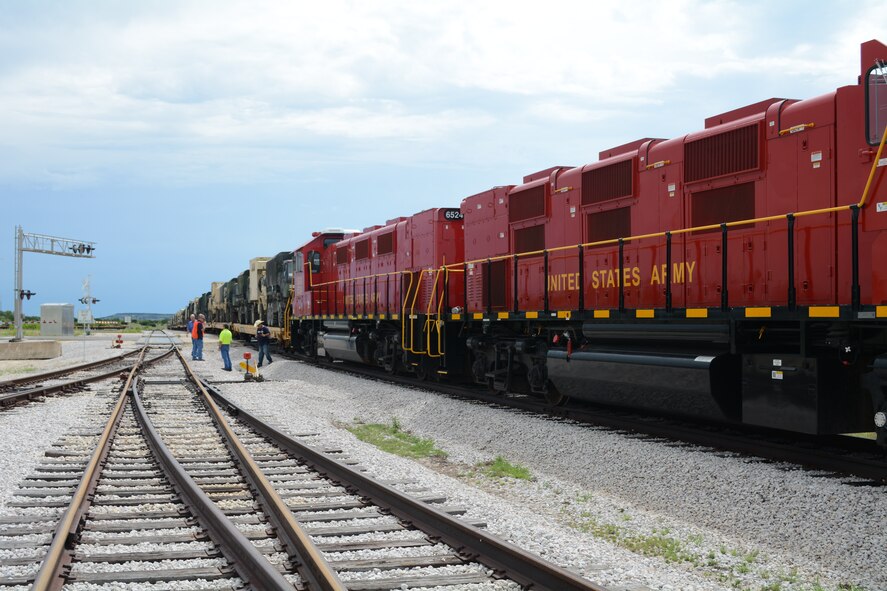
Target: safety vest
225,337
197,331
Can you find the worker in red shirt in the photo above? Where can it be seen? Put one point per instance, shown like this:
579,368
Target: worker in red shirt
197,338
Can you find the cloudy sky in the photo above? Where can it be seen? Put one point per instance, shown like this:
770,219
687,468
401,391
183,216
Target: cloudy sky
187,137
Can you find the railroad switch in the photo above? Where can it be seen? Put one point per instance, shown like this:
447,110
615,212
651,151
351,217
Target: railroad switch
251,372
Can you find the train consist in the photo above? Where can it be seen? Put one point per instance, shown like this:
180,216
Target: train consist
734,274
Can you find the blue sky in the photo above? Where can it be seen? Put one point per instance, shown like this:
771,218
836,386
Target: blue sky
187,137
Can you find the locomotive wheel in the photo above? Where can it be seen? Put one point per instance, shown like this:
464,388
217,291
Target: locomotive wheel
421,370
386,362
554,397
391,364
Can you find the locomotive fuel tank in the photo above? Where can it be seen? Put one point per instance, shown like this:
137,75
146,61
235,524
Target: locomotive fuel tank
643,367
698,385
337,341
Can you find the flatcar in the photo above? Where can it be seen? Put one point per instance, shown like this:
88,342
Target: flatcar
731,274
277,288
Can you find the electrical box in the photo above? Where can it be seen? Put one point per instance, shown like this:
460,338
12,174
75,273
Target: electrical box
56,320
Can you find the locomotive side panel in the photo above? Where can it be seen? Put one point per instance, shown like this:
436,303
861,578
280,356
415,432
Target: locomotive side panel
486,235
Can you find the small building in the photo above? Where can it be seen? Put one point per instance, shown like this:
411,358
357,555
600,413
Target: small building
56,320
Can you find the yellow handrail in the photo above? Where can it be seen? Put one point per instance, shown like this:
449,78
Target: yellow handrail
428,320
868,183
287,317
412,310
403,311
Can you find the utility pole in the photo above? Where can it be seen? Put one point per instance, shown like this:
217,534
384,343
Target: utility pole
27,242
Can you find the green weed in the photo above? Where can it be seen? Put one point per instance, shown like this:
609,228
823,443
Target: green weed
395,440
500,468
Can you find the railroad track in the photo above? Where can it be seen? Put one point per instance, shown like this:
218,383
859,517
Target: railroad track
70,379
182,485
841,455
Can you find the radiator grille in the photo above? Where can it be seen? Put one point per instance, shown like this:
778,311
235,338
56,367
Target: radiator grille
726,153
607,225
362,250
609,182
529,239
498,284
342,255
526,204
727,204
385,243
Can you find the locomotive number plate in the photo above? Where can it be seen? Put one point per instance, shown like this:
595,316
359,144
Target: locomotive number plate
452,214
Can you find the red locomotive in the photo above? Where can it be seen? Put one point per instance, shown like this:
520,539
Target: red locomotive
733,273
378,296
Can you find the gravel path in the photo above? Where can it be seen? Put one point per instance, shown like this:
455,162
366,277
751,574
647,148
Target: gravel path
626,512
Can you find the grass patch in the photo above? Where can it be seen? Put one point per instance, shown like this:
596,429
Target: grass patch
25,369
501,468
728,566
395,440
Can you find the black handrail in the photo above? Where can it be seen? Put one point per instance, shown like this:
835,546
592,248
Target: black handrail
465,290
854,256
514,281
724,299
488,275
792,293
621,276
581,278
545,279
667,272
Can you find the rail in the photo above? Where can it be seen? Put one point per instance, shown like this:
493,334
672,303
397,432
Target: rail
250,565
12,398
50,574
315,569
515,563
16,382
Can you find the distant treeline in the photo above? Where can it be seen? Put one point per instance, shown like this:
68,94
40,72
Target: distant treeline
9,316
146,319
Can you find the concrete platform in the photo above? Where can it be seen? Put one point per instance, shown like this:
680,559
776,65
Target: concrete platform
30,350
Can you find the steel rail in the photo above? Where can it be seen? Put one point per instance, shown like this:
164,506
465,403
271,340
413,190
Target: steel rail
7,399
50,577
17,382
511,561
250,565
312,565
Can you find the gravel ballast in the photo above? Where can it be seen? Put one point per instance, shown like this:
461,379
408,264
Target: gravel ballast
627,512
630,513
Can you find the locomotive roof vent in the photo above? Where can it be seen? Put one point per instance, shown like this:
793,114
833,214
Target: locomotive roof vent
544,174
624,148
339,231
741,112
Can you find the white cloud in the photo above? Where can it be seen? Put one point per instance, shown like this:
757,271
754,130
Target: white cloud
99,91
